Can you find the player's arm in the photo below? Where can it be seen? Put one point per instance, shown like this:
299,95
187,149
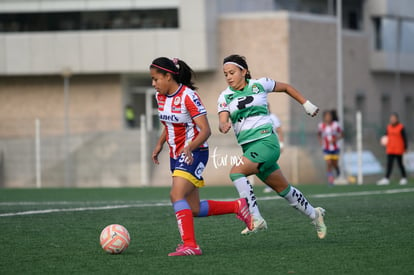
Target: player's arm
203,134
310,109
320,137
404,137
158,146
340,133
224,123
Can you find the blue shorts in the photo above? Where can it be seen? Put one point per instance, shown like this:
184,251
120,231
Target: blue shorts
331,154
192,172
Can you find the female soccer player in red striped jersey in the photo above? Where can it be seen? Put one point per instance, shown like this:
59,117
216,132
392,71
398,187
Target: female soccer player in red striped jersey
329,132
186,130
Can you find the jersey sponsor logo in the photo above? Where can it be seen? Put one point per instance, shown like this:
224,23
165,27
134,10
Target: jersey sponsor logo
255,89
161,104
244,101
175,109
196,100
170,118
176,106
223,105
230,97
199,170
177,100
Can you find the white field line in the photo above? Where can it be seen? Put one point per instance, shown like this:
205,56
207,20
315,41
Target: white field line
166,203
27,203
79,209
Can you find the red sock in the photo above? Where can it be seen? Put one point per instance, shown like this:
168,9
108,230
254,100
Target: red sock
222,207
185,223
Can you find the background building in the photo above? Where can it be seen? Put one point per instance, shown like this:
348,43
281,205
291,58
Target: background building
102,50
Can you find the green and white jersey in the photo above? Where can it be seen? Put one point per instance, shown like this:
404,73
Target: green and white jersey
248,109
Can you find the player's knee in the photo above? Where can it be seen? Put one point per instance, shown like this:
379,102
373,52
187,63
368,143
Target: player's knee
195,212
174,196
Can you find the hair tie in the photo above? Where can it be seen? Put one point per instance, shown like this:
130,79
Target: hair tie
164,69
175,61
236,64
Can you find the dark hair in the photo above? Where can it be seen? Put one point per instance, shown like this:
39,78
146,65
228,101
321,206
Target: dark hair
240,60
180,71
334,115
396,115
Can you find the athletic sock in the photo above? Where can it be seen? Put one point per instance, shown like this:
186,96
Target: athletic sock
185,222
298,201
214,208
331,177
245,190
338,171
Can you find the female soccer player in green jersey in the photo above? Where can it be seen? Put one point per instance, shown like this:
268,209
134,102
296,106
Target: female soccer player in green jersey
244,106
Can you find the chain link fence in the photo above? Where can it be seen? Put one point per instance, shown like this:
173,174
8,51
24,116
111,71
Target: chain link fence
104,153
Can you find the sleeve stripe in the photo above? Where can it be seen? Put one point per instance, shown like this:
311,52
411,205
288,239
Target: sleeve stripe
200,114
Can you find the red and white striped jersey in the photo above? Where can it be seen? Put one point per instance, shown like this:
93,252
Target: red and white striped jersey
177,112
330,134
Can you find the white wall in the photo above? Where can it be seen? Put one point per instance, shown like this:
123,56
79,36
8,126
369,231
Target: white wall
85,52
74,5
110,51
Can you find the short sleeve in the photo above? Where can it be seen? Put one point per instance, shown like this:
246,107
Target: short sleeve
338,127
222,104
194,105
160,100
275,121
267,83
320,128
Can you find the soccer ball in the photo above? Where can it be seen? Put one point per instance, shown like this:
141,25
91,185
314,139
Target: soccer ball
384,140
114,239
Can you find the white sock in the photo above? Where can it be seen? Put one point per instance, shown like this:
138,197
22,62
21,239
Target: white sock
245,190
298,201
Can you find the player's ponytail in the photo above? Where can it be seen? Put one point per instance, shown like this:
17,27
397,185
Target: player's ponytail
240,61
185,74
179,70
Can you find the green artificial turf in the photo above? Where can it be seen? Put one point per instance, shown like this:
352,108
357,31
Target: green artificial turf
369,232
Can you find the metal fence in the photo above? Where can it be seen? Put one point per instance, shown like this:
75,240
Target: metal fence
105,153
38,153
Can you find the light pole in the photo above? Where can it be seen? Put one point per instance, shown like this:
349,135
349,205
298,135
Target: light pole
339,82
66,74
339,63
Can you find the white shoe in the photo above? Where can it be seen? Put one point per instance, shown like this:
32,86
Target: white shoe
267,190
403,181
383,181
259,224
319,222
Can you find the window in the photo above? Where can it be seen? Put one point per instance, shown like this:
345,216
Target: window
407,36
88,20
386,31
352,10
353,21
352,14
385,34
